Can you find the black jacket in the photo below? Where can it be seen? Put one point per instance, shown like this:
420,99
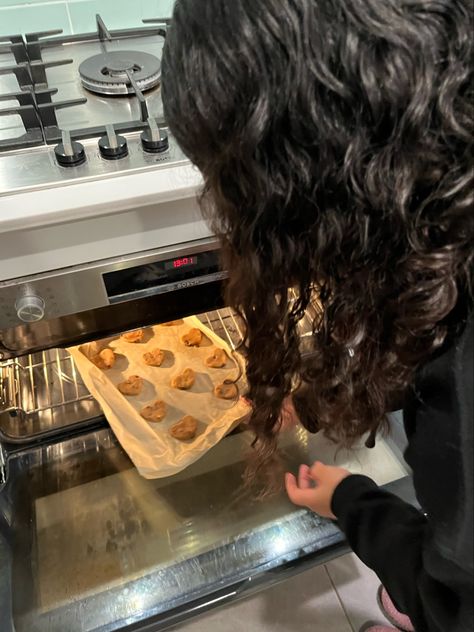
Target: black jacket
425,560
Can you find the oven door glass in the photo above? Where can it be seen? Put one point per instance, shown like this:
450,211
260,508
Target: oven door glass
87,544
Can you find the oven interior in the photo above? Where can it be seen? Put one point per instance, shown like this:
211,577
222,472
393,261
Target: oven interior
84,538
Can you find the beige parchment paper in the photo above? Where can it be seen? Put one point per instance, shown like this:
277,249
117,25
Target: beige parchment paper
154,452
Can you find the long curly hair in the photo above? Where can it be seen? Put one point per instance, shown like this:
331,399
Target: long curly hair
335,142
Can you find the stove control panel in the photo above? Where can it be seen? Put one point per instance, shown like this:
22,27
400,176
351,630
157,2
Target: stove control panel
52,166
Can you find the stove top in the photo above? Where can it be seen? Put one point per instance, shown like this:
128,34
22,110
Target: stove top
79,84
82,107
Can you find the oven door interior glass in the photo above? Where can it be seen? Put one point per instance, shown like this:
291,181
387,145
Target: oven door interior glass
87,544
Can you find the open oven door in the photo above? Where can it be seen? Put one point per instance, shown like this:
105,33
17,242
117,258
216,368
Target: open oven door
87,544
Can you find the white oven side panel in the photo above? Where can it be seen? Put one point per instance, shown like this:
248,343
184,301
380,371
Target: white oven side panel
35,250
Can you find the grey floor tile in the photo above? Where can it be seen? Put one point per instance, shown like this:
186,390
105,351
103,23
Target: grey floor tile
305,603
356,586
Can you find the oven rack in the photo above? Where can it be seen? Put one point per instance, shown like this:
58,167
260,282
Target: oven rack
43,392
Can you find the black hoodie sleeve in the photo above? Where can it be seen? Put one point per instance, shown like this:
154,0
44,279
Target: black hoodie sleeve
425,559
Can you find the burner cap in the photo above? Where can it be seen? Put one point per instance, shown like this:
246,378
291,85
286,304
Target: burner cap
107,73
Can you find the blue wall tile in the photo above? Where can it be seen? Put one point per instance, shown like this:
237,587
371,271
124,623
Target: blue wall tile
29,18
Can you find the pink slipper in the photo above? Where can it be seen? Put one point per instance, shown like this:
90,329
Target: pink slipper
386,605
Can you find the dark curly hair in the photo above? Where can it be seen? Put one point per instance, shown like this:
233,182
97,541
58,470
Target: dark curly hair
335,142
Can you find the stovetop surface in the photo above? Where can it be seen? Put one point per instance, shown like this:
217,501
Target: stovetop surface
45,111
42,93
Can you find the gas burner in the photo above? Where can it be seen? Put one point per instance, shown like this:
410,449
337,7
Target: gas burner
107,73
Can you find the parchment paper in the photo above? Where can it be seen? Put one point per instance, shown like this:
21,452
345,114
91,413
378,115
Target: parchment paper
149,445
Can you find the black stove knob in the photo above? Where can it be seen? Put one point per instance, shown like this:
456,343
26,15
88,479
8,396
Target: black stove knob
112,146
69,153
154,140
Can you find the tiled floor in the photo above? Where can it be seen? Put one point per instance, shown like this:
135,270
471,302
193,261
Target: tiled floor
337,597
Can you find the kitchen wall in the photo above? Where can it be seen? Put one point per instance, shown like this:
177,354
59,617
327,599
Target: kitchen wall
76,16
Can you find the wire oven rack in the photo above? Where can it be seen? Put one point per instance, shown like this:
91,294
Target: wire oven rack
42,393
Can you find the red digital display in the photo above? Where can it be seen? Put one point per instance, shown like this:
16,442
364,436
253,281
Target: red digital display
184,261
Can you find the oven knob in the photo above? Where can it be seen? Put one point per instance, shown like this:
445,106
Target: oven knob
112,146
154,140
69,153
30,308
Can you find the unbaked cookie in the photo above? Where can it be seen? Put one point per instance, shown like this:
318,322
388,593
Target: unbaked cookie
105,359
154,357
226,391
185,429
217,359
193,338
131,386
154,412
184,380
134,336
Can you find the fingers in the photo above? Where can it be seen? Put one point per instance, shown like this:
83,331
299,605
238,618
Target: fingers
298,496
316,472
304,478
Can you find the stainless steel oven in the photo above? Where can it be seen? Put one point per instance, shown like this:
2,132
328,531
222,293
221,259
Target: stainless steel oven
85,542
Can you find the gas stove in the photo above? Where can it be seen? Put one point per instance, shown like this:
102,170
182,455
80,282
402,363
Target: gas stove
88,169
82,106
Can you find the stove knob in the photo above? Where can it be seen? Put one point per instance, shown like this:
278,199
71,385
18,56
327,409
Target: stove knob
69,153
112,146
30,308
154,140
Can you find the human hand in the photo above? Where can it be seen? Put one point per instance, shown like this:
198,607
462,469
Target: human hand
315,487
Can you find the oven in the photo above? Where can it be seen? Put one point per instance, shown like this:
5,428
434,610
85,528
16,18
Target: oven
91,246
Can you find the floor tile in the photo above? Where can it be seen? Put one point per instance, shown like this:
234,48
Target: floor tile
356,586
305,603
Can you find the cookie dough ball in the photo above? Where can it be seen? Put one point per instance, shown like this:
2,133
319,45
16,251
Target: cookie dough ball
105,359
154,412
172,323
217,359
184,380
193,338
131,386
226,391
185,429
154,357
134,336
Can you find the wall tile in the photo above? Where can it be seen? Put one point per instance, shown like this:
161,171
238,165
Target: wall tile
26,19
14,3
117,14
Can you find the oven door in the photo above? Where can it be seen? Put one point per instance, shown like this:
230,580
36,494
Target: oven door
87,544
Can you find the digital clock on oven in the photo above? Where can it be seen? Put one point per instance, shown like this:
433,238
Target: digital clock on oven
180,263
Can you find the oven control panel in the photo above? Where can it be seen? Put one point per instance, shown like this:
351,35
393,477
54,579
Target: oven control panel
99,284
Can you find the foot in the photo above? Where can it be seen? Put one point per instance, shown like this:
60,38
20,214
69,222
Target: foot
397,618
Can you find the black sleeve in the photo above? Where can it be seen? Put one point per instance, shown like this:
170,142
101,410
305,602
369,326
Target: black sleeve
425,560
393,538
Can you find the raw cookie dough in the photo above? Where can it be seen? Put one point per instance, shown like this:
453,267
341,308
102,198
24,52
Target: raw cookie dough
154,357
134,336
185,429
131,386
217,359
193,338
184,380
226,391
105,359
172,323
154,412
